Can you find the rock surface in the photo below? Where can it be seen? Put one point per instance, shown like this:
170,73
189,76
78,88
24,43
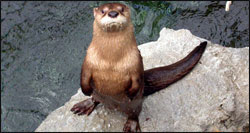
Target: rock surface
213,97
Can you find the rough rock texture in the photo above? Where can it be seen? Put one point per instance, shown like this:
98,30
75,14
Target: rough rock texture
213,97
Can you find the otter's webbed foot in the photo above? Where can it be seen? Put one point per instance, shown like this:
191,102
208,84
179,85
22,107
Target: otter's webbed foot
85,107
132,125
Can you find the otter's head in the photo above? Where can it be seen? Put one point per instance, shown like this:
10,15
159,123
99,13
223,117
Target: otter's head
112,17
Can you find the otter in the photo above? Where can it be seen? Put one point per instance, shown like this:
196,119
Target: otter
112,71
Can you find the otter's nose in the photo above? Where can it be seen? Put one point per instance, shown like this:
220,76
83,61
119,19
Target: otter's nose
113,14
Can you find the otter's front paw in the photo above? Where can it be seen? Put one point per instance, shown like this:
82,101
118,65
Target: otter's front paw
85,107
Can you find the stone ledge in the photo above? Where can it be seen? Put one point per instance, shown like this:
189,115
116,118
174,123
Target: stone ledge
213,97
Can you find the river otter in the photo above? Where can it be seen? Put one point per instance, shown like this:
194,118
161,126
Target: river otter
112,71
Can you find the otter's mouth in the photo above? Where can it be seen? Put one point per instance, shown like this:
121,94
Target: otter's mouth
113,24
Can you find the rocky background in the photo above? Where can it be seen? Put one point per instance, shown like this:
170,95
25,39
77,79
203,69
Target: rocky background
213,97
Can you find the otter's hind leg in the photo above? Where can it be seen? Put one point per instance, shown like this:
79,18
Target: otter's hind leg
132,124
85,107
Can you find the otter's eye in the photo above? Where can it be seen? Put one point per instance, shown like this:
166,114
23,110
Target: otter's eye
122,9
102,12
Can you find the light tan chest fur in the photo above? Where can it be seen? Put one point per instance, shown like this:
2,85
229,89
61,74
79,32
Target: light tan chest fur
126,62
112,77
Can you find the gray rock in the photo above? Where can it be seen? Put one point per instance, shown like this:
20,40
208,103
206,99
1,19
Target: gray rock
213,97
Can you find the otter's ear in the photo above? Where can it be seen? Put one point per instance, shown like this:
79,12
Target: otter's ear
95,11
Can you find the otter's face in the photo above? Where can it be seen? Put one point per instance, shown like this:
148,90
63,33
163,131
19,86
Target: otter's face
112,17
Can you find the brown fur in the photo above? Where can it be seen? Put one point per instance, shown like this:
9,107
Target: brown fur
114,65
112,71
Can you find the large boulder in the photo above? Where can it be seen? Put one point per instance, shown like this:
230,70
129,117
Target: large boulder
213,97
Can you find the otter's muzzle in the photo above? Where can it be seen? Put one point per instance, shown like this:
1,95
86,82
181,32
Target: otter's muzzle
113,14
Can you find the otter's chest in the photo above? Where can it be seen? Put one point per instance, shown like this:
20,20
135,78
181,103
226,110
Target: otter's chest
113,62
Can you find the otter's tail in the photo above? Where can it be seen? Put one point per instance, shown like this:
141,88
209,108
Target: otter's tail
159,78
